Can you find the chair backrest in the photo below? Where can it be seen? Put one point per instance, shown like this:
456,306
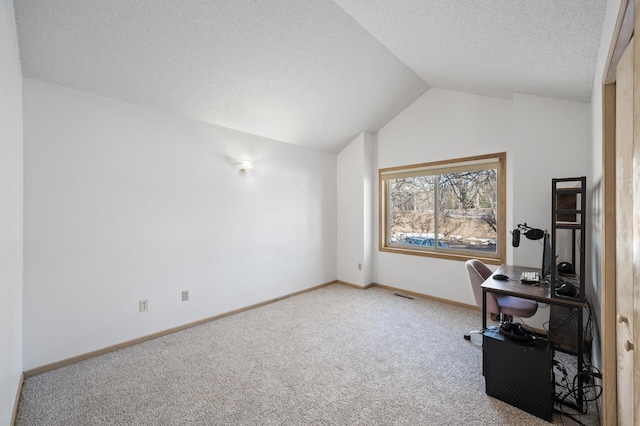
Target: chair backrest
478,273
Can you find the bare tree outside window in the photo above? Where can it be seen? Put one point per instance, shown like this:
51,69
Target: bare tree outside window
467,213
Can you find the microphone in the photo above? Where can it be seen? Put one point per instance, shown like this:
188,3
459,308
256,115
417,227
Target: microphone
515,241
534,234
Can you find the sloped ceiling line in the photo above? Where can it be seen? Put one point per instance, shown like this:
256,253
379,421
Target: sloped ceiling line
312,73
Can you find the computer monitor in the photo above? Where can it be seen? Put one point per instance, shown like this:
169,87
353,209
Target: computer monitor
547,257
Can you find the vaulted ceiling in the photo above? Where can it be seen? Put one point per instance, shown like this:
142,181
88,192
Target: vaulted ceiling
309,72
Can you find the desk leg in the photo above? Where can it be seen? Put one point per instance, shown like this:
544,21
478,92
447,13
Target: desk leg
484,327
580,361
484,309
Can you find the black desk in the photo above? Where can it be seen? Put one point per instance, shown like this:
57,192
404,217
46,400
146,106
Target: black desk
539,293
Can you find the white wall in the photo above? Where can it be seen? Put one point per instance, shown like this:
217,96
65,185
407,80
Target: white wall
355,216
551,140
124,203
440,125
10,212
538,135
368,187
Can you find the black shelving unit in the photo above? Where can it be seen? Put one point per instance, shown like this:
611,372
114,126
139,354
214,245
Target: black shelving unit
568,212
568,215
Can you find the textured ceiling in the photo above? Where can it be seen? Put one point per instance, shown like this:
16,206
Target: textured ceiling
491,47
309,72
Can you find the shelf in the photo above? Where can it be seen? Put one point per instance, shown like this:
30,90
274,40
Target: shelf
568,211
561,225
577,190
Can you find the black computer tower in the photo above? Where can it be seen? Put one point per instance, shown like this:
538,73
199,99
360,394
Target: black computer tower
520,374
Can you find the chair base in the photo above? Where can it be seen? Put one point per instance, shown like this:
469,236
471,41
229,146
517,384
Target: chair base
498,317
468,335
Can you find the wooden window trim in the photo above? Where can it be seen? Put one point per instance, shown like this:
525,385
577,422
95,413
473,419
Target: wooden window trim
440,167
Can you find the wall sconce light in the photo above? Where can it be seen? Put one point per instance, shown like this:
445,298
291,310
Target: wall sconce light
243,165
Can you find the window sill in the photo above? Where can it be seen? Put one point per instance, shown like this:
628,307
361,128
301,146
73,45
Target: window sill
449,255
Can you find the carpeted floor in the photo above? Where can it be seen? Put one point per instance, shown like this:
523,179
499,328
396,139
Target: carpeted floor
334,356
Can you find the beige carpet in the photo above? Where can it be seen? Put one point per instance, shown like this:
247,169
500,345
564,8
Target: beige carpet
334,356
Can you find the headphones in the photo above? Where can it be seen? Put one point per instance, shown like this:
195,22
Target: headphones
565,268
566,289
516,331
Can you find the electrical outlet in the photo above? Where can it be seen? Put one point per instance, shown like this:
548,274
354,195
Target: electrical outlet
143,305
185,295
359,266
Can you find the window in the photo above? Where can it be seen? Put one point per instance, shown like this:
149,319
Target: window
451,209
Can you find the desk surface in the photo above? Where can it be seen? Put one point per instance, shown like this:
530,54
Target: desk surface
514,287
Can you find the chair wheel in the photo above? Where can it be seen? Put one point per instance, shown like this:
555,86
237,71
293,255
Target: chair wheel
467,337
